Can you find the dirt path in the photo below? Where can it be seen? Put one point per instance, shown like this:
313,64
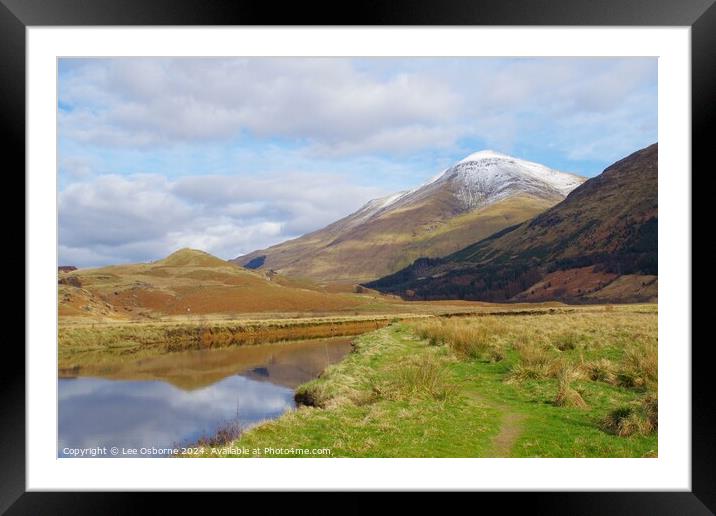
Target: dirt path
510,428
506,438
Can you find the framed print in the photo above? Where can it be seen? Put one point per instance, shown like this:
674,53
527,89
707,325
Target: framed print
440,249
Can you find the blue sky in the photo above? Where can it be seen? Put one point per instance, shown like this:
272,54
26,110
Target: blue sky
232,155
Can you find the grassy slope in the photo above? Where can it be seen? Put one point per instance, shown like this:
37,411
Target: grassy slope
609,221
410,423
398,395
394,240
451,236
188,282
603,215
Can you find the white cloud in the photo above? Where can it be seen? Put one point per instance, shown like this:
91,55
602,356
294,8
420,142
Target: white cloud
337,108
75,167
292,141
142,217
140,102
100,412
564,103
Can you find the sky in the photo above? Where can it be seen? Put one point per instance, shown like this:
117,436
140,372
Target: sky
230,155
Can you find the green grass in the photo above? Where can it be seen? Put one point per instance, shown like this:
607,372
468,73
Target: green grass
409,391
393,397
549,430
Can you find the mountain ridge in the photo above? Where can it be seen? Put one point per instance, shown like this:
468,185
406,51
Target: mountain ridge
603,230
480,194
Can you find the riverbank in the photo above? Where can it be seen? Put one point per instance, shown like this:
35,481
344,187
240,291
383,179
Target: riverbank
95,343
551,384
98,344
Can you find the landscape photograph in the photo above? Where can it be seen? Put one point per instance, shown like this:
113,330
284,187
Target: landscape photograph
394,257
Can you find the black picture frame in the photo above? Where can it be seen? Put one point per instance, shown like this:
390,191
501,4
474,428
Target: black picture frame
700,15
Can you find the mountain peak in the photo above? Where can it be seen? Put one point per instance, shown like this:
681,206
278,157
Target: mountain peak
603,232
488,176
390,232
484,154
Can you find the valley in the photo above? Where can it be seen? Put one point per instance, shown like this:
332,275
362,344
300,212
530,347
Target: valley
552,384
502,309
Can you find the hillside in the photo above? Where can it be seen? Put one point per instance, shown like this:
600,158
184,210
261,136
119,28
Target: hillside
476,197
599,244
187,282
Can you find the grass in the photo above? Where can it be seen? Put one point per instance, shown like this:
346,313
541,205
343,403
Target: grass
579,384
640,418
90,345
84,341
394,396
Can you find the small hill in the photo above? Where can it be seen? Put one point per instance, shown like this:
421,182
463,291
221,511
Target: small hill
601,238
479,195
187,282
190,257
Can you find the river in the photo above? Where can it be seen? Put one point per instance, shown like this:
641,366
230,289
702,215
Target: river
141,408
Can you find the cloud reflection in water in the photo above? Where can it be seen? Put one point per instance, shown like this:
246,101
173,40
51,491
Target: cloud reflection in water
99,412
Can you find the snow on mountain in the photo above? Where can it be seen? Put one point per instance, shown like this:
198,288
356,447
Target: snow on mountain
389,233
488,176
484,154
375,206
481,179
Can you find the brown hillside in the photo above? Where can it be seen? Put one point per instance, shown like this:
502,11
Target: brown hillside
604,229
186,282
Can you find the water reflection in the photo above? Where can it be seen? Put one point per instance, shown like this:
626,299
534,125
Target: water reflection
180,397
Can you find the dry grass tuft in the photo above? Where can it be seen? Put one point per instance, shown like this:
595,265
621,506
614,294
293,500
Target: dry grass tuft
566,341
535,363
424,377
641,419
640,366
567,396
521,372
467,340
600,370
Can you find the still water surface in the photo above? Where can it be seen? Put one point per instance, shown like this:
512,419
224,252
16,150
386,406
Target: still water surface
178,398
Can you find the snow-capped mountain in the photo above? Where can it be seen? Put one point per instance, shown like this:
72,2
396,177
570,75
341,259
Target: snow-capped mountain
480,179
480,194
498,176
600,244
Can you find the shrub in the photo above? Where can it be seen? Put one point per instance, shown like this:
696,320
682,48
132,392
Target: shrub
630,380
